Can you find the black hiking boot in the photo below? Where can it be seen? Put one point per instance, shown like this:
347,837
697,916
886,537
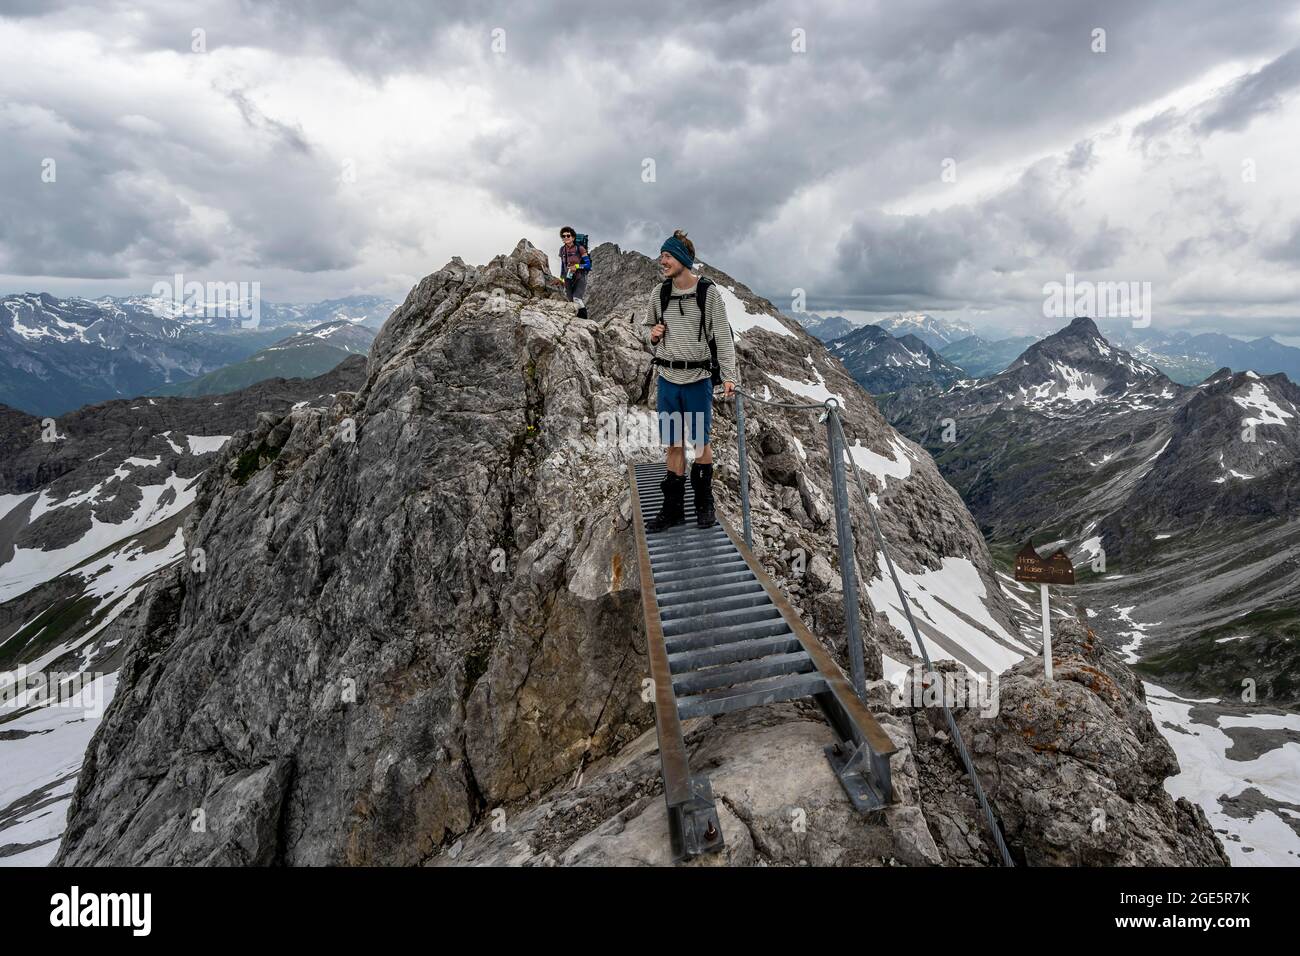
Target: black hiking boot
702,485
673,510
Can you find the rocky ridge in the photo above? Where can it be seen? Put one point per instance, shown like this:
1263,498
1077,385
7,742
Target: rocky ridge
417,625
87,518
879,362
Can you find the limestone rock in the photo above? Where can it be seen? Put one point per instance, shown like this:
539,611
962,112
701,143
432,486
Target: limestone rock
420,623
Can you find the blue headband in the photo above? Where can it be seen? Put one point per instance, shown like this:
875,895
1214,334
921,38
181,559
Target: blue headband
677,249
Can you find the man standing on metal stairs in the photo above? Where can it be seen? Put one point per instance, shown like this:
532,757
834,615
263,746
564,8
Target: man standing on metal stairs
686,326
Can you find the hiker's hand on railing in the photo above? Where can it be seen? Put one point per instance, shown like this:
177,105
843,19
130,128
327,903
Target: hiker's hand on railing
728,389
657,332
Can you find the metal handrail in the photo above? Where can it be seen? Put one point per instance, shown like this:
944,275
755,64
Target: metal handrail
845,541
843,524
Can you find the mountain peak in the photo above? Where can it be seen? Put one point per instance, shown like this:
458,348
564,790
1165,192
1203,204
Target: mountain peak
1082,325
827,327
933,331
1081,343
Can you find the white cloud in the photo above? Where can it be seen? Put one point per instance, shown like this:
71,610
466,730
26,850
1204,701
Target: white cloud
331,148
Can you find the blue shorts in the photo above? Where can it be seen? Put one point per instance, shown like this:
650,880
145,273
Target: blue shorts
685,412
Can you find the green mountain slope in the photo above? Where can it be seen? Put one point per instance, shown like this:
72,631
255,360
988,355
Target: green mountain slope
303,355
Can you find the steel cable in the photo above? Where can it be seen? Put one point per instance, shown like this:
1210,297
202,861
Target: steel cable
830,409
989,818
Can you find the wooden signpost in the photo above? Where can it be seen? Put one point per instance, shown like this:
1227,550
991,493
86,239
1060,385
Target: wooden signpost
1032,569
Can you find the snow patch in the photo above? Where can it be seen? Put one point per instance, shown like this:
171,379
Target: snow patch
742,319
1207,775
30,567
817,391
958,584
1260,400
46,759
202,444
899,465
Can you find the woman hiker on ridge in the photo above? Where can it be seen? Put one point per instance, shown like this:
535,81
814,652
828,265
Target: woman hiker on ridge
681,338
575,264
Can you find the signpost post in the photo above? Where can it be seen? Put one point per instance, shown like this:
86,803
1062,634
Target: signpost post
1047,631
1055,570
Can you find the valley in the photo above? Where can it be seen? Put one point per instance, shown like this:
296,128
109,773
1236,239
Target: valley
1178,505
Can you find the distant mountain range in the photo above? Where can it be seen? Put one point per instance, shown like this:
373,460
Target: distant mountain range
910,350
957,351
367,310
60,354
880,362
1190,359
1188,493
826,327
934,332
301,355
1186,358
978,357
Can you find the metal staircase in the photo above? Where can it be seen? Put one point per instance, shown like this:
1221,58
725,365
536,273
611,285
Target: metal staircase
723,638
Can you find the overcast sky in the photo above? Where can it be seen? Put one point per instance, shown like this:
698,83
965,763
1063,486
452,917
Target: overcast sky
329,148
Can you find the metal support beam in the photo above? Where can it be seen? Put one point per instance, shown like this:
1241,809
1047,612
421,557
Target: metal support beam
868,782
693,824
844,540
745,524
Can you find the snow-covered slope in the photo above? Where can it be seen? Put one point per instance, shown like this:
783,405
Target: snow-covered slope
59,354
1243,768
882,363
933,331
86,522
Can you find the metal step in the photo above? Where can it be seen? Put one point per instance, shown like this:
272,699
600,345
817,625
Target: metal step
727,675
691,553
747,631
669,590
691,562
710,591
751,649
769,691
667,543
726,565
718,619
714,604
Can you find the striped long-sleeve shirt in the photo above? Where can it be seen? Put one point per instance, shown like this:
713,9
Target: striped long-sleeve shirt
682,339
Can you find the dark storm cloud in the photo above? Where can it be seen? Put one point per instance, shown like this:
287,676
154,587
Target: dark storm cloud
1253,95
289,135
1230,109
881,98
121,201
134,194
923,260
1103,248
738,125
99,214
33,8
892,88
